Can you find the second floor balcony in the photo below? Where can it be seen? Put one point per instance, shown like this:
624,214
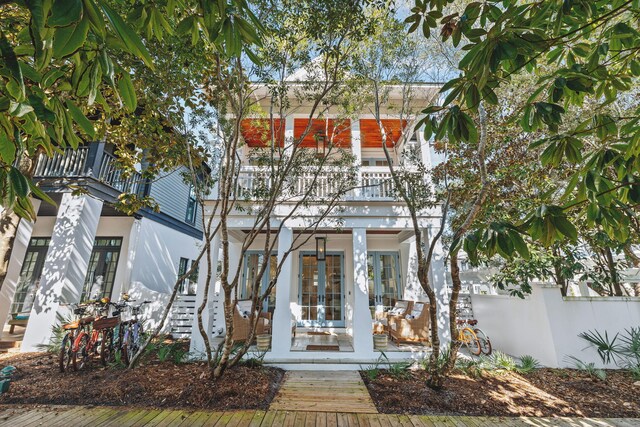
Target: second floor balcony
372,183
89,162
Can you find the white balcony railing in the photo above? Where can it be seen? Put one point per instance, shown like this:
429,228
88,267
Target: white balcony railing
69,163
112,175
376,184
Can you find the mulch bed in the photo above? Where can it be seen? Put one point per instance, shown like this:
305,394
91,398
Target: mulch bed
543,393
153,384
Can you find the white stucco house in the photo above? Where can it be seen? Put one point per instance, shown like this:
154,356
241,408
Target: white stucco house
366,265
84,248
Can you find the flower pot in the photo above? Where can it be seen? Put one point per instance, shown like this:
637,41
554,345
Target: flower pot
263,342
380,341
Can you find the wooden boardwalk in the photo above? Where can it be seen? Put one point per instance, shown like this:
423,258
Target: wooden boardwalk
323,391
78,416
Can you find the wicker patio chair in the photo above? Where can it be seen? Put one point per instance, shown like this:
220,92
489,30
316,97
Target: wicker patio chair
413,327
400,309
241,319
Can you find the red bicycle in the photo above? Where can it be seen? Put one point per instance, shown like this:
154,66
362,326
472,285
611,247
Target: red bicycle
66,348
87,341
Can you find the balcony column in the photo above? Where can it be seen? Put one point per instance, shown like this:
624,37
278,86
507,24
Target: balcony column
288,135
356,148
438,279
197,346
18,253
94,159
65,267
281,328
362,321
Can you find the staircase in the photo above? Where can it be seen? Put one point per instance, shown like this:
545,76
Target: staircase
182,315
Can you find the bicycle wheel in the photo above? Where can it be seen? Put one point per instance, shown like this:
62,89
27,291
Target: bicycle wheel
470,340
106,347
124,345
80,357
65,352
483,339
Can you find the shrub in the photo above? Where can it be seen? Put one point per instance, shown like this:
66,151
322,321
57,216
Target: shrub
527,365
472,367
502,361
589,368
623,349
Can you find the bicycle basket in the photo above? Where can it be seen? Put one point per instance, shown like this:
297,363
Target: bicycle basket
106,322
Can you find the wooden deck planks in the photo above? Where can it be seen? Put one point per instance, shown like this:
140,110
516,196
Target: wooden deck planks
320,391
125,417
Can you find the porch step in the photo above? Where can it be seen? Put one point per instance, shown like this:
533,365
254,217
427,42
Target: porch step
10,346
323,391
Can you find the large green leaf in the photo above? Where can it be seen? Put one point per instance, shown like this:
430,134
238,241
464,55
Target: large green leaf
127,92
65,12
7,149
69,39
81,119
18,182
127,35
11,62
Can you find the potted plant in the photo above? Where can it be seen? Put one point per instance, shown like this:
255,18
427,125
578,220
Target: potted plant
380,341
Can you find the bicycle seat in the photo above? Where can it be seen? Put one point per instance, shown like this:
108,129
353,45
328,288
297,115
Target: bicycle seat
461,322
472,322
72,325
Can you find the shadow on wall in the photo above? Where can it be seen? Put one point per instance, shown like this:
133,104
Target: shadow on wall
151,313
66,261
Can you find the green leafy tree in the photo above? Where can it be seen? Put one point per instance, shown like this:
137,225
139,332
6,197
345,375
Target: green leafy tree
584,54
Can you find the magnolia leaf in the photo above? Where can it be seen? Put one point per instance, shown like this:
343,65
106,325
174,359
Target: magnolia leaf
64,13
18,182
7,149
127,92
69,39
128,37
81,119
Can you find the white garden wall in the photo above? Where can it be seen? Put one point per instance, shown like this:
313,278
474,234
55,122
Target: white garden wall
546,326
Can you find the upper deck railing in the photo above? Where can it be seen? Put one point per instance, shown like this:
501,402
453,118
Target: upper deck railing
88,161
375,183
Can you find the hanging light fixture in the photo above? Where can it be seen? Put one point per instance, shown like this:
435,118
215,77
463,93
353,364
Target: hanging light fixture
320,144
321,248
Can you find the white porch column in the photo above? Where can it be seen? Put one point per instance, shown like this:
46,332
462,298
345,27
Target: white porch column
65,266
438,279
356,148
288,134
281,328
197,342
362,321
18,252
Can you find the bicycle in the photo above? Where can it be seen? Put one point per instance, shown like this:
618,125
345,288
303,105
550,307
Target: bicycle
87,340
113,333
483,340
66,347
132,339
468,337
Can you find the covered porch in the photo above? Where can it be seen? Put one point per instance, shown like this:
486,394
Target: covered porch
327,298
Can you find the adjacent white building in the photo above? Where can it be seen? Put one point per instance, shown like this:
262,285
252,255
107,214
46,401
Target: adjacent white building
84,248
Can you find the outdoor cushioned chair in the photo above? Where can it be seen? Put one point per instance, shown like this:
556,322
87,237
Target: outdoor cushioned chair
400,309
413,327
241,319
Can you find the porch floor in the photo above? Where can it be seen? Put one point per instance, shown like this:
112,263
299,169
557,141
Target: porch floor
344,341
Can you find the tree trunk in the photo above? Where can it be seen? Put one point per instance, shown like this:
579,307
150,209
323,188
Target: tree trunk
557,267
9,222
227,347
456,285
613,273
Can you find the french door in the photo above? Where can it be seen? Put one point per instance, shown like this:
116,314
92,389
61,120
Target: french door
30,275
321,295
384,281
253,261
101,271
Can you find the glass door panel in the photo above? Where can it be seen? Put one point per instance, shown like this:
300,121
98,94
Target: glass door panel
253,262
101,272
30,275
384,281
321,290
